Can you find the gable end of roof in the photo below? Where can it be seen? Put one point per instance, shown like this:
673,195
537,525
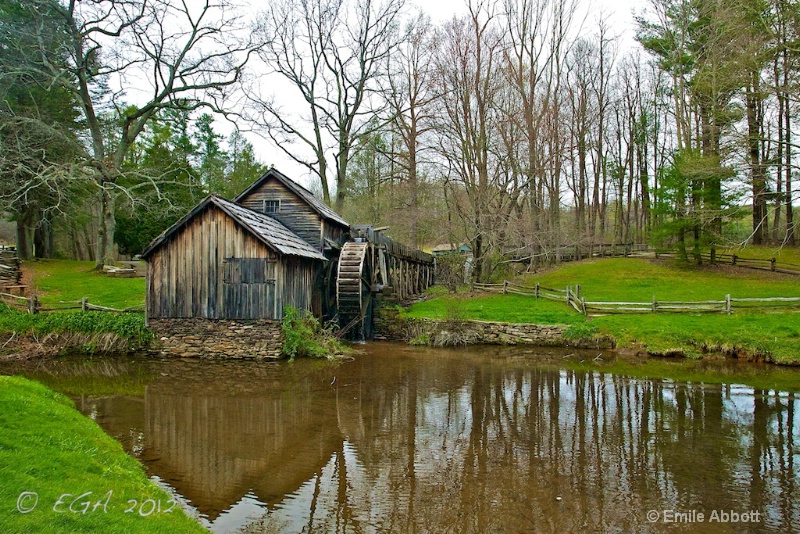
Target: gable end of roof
307,196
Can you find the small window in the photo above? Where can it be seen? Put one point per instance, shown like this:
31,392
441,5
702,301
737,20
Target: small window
249,271
272,206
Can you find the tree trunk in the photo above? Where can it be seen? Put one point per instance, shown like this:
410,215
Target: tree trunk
341,175
25,242
790,236
43,238
106,228
477,258
412,183
757,177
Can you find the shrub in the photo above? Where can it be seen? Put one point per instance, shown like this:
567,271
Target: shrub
454,311
421,339
304,336
450,271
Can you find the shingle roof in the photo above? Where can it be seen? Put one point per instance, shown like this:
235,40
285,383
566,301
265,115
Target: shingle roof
317,205
269,231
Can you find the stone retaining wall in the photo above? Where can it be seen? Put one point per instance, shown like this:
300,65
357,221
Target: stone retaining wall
389,326
219,338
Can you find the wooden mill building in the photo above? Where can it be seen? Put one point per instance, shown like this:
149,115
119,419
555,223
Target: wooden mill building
275,245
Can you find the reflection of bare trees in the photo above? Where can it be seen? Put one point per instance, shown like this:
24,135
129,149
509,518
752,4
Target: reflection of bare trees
441,441
495,446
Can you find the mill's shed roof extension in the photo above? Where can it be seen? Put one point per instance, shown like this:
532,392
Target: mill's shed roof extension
269,231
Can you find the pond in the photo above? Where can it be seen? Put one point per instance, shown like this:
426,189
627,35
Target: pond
485,439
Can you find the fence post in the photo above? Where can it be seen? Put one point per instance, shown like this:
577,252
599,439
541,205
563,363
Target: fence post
733,259
33,303
505,287
655,305
537,290
713,256
772,264
84,304
578,291
728,304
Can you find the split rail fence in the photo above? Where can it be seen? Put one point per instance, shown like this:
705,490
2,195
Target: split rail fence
567,253
771,264
573,298
32,305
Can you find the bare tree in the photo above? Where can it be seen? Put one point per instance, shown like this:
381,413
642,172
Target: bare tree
329,54
411,95
174,54
536,42
469,80
580,70
785,30
605,57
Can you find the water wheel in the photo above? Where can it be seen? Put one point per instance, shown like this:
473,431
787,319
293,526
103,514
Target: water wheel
354,282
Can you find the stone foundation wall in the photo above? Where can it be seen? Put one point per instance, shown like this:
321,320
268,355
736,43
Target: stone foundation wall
219,338
389,326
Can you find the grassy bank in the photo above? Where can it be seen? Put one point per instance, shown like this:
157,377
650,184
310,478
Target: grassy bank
491,307
61,465
60,283
71,331
55,281
773,336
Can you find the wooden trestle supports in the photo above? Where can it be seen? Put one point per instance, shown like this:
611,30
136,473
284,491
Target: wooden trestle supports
406,270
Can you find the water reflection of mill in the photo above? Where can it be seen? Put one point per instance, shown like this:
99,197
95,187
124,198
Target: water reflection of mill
465,444
216,441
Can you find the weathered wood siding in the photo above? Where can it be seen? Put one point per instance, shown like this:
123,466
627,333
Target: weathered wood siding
215,269
294,212
298,279
334,232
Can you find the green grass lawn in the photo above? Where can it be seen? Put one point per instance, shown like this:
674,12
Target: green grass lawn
55,281
639,280
68,460
789,255
775,336
493,307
